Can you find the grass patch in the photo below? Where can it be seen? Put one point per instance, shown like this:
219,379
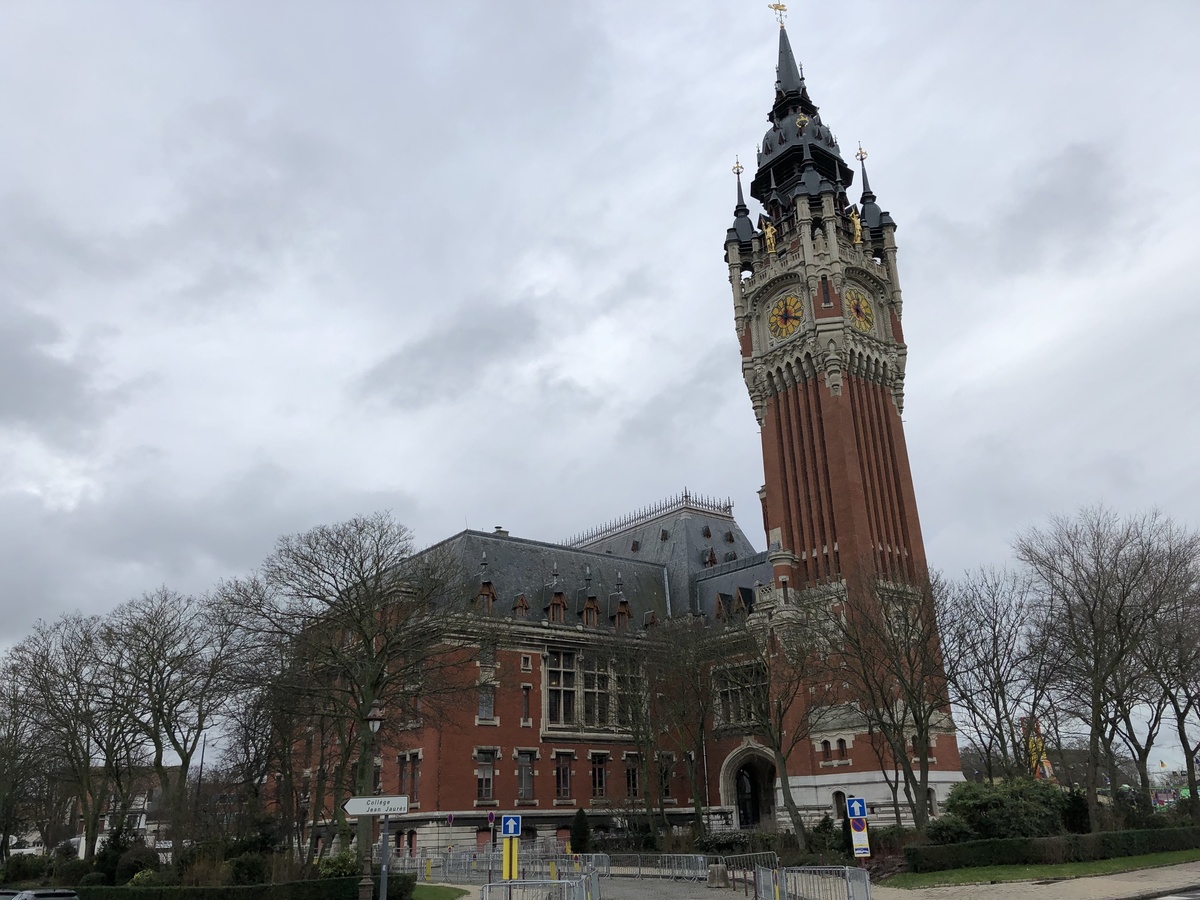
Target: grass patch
1039,873
437,892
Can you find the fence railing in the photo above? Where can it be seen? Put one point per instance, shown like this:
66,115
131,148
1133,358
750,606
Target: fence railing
812,883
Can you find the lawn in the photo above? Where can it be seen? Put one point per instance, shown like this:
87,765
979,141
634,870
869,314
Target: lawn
437,892
1038,873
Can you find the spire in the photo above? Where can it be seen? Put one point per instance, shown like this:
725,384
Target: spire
861,156
789,77
741,209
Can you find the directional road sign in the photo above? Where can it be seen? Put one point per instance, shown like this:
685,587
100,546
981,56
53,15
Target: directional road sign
856,808
376,806
510,826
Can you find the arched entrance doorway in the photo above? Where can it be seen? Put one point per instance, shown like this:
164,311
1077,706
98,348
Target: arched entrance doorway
753,791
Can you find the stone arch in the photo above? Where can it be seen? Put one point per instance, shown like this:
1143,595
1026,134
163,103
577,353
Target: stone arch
748,786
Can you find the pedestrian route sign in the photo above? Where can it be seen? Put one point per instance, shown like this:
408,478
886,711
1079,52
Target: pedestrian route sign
510,826
856,808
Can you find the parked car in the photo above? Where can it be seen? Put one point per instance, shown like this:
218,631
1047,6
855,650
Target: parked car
39,893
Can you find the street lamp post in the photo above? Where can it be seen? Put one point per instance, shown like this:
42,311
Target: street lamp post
374,720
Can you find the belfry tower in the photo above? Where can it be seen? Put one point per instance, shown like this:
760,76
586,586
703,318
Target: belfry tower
817,306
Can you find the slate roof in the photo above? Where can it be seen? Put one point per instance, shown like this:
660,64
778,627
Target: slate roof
518,566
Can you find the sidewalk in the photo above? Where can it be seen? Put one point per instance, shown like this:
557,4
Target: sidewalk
1143,883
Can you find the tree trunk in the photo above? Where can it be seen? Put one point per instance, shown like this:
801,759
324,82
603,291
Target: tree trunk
789,802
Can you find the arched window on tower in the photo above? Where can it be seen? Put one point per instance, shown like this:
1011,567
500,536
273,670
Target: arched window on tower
839,804
826,750
841,748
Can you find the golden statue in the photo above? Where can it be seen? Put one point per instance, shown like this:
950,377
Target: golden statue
854,220
769,233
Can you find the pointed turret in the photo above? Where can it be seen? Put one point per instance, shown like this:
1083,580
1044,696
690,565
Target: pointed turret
796,128
742,229
872,215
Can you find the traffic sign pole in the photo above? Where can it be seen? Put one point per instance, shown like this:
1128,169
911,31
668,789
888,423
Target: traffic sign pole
384,848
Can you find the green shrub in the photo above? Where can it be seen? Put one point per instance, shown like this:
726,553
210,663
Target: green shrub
92,879
581,834
134,860
1075,817
950,829
24,867
723,843
1019,808
249,868
824,837
69,872
341,865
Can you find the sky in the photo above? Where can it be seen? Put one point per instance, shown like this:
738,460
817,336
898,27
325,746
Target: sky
266,266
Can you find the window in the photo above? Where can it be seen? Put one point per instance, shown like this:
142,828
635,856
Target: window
560,677
595,692
599,776
666,770
558,609
524,774
737,690
562,775
485,774
526,690
487,702
409,768
826,750
591,613
526,662
521,607
841,747
621,619
630,694
633,780
487,655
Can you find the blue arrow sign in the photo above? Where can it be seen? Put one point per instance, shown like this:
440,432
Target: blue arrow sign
510,826
856,808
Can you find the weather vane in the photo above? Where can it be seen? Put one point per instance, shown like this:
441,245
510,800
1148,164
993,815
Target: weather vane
780,11
861,154
738,168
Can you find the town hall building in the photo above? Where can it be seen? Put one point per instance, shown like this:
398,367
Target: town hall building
817,308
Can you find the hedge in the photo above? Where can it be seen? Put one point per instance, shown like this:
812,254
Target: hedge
400,887
1058,849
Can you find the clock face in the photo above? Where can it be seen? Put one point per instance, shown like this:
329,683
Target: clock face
858,307
785,316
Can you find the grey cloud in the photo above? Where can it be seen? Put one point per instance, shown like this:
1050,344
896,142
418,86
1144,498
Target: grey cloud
467,343
41,391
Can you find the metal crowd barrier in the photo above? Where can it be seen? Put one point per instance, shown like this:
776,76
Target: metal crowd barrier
812,883
586,887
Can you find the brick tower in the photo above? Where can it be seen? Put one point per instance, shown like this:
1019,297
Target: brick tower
818,310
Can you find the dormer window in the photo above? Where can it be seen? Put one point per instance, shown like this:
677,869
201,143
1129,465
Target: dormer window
557,610
621,619
521,607
487,597
591,613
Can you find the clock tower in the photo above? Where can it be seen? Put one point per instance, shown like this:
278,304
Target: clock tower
818,311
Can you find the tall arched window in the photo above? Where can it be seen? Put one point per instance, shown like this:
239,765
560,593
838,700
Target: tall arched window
826,750
841,748
839,804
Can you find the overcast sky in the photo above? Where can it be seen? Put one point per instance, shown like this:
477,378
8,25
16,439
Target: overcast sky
268,265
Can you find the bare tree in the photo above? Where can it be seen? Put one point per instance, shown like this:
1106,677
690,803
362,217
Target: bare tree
355,602
172,658
777,681
19,759
1101,582
997,676
66,681
888,653
680,666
